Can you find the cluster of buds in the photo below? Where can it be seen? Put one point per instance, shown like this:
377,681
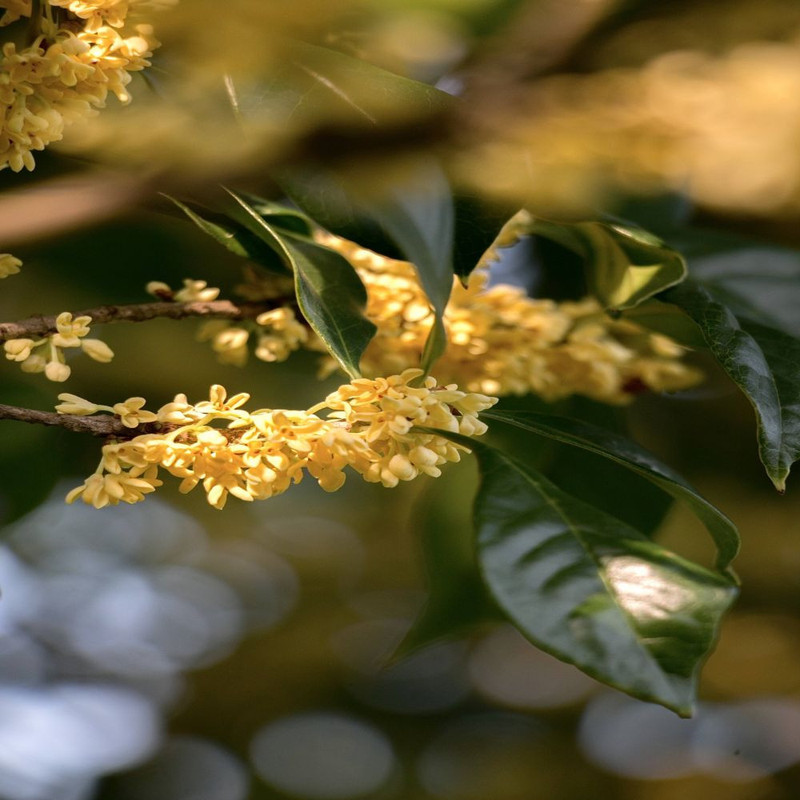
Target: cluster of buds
277,332
80,55
9,265
378,428
47,354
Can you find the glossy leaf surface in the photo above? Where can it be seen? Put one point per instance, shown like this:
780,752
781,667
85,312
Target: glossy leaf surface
623,451
741,355
624,265
591,590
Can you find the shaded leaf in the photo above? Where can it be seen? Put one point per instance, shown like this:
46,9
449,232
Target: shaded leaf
758,282
742,357
477,225
412,219
591,590
329,292
231,235
623,451
624,265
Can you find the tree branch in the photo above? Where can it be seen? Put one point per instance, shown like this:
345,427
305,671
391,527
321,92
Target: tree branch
41,325
105,426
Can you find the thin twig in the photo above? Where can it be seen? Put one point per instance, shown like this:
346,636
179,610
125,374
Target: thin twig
41,325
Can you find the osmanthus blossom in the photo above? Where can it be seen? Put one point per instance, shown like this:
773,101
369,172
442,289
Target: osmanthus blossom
9,265
499,340
82,52
371,426
46,353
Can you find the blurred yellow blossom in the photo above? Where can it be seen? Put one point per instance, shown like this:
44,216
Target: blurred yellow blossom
195,292
9,265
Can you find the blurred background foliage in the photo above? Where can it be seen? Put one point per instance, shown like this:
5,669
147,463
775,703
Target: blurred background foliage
167,651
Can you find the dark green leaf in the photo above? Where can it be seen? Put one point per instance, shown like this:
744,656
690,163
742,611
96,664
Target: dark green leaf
741,356
595,479
412,218
329,292
279,215
625,265
324,197
232,236
591,590
628,454
477,225
761,283
782,353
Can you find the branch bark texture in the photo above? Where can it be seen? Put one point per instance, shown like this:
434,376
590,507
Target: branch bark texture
41,325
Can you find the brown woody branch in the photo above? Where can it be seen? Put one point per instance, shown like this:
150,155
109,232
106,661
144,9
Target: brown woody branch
105,426
41,325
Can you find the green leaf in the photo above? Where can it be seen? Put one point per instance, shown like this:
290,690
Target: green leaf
231,235
477,225
742,357
329,292
667,319
782,353
625,265
280,215
591,590
420,219
623,451
755,281
412,219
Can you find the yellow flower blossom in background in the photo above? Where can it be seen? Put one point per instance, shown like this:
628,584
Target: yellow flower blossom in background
371,426
9,265
501,342
195,292
66,73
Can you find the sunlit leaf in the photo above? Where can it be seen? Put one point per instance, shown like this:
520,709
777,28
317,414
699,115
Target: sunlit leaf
623,451
770,382
329,292
592,591
624,265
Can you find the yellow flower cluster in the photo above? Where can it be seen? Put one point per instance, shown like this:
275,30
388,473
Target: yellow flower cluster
500,341
278,331
50,360
9,265
372,426
80,54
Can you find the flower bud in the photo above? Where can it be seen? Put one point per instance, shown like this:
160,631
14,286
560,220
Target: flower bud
97,350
